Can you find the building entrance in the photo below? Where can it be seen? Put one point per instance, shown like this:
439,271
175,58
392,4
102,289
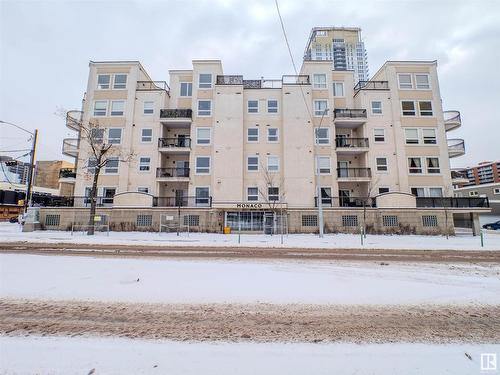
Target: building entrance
255,221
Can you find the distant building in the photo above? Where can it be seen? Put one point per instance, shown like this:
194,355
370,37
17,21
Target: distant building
486,172
343,46
47,172
14,173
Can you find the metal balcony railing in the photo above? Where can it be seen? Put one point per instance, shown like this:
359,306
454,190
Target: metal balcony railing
371,85
74,120
174,142
353,172
176,113
349,113
452,120
343,142
229,80
456,147
458,175
295,80
70,147
172,172
191,201
353,202
456,202
152,86
67,173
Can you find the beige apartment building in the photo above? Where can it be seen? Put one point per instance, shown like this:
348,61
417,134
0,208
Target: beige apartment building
210,150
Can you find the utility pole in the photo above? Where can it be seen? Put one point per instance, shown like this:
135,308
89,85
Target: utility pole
318,178
29,181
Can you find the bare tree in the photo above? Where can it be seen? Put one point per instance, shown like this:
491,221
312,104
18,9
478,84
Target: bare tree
372,185
272,180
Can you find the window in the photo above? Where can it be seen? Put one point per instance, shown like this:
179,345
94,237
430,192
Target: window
273,163
252,163
144,220
120,81
320,107
272,106
108,193
253,106
408,108
146,135
429,136
202,165
111,166
186,88
100,108
405,81
273,194
390,220
204,108
326,196
319,81
202,136
418,192
202,195
425,108
192,220
429,221
349,221
422,81
338,89
103,81
252,134
115,136
117,107
496,191
381,164
252,194
377,107
144,164
322,136
309,220
379,135
473,193
272,134
383,190
97,135
52,220
411,136
414,165
435,192
433,165
205,81
323,164
91,164
143,189
149,108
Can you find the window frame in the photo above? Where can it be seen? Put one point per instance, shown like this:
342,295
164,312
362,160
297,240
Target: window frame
109,81
435,137
105,169
318,165
189,89
415,111
111,108
114,81
417,137
377,165
317,140
375,135
198,197
411,81
207,86
428,81
248,135
256,107
435,170
142,135
141,164
248,164
277,135
269,111
197,168
106,105
252,195
381,113
198,136
109,136
204,110
152,109
335,95
421,167
143,187
322,111
317,85
277,158
429,113
273,195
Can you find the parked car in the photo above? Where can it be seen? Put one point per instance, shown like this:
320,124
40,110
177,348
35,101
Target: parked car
494,226
13,219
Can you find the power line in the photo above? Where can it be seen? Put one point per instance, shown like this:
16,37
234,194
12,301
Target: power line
24,149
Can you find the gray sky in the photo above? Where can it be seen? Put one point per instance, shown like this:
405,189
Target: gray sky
46,46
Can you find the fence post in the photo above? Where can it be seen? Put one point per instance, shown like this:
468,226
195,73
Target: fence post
362,234
482,239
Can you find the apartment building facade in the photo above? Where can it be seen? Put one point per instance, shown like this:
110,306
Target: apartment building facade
217,150
486,172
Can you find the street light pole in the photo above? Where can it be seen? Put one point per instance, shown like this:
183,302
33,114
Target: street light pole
318,179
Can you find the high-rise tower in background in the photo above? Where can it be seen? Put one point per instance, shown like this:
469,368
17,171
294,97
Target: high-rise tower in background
342,45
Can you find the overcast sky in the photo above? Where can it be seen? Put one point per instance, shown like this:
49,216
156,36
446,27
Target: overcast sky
46,46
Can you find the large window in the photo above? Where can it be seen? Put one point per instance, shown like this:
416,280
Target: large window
252,163
338,89
379,135
272,106
405,81
144,164
381,164
319,81
429,136
326,195
411,136
103,81
205,81
273,194
149,108
120,81
376,107
408,108
418,191
146,135
320,107
435,192
323,164
272,134
111,166
91,164
433,165
273,163
202,136
100,108
117,107
186,89
422,81
204,108
322,136
202,165
202,195
97,135
253,135
252,194
115,136
425,108
253,106
414,165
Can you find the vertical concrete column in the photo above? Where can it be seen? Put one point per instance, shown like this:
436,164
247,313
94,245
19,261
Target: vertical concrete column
476,226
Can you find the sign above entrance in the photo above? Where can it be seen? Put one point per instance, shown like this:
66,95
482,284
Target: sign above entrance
249,205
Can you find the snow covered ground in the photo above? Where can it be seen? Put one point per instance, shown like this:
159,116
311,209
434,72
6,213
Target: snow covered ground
11,233
61,355
243,281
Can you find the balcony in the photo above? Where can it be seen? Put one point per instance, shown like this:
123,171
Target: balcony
70,147
74,120
172,174
456,147
182,201
346,202
262,83
452,120
371,85
67,175
349,118
353,174
176,117
229,80
458,177
351,145
152,86
176,145
295,80
476,202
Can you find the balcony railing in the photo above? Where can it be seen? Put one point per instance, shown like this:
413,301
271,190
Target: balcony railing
452,120
229,80
353,172
262,84
456,147
74,120
349,113
295,80
176,113
343,142
456,202
353,202
455,175
174,142
67,173
70,147
371,85
152,86
182,201
172,172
